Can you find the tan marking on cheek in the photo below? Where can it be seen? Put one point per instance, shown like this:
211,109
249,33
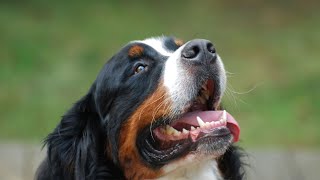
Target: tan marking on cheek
135,51
178,42
129,157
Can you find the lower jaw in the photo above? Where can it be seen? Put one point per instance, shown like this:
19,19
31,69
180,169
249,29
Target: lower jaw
211,145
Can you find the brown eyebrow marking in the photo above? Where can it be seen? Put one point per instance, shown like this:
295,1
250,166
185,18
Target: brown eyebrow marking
179,42
135,51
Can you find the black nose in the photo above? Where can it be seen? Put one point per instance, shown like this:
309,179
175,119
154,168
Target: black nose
198,51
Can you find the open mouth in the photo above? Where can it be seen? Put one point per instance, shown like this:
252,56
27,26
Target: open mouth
201,125
195,125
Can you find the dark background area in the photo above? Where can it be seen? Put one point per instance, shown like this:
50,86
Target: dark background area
51,52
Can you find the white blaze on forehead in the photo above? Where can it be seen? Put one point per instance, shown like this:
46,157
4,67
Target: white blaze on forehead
157,44
222,75
171,71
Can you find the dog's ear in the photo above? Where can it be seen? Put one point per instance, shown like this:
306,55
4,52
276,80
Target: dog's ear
76,147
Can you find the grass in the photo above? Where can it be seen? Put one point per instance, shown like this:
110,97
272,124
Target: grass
50,53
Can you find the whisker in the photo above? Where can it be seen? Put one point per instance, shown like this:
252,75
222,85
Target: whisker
150,104
246,92
232,98
164,102
154,101
231,73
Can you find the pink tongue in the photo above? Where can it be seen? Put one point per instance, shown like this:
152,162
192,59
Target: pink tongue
209,116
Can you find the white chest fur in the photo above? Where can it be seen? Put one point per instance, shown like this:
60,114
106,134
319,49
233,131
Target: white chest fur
195,171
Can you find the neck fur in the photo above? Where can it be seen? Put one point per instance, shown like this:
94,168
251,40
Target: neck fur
194,171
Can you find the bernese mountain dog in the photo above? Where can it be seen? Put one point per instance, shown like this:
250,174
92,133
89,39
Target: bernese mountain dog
153,112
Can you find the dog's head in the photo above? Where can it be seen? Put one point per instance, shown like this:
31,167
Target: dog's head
159,99
155,106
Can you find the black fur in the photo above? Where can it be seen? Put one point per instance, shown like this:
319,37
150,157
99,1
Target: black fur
232,164
76,149
169,44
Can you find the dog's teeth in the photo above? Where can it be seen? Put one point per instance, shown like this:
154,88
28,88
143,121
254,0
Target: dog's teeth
207,124
212,125
218,123
192,128
167,129
206,96
170,130
202,100
204,87
224,116
184,131
162,130
176,133
201,123
223,121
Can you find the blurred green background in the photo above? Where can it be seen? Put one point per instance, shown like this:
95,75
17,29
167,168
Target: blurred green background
51,52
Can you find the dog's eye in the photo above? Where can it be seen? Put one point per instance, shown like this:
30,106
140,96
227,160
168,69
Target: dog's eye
140,68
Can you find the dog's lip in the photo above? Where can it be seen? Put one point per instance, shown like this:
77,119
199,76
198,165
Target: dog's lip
198,122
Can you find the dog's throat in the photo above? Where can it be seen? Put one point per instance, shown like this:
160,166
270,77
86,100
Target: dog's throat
195,170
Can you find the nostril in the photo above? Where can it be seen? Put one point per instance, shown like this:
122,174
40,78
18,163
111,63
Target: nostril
196,50
191,52
211,48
